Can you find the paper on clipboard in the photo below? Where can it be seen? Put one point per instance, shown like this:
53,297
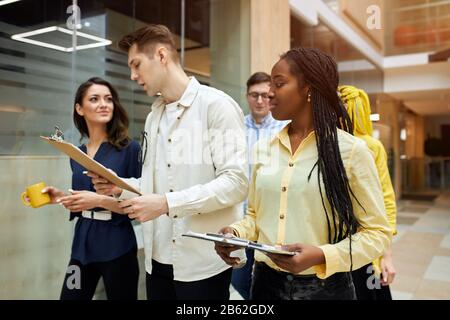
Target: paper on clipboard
243,243
90,164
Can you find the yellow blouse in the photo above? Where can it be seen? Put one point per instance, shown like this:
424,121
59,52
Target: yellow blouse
285,208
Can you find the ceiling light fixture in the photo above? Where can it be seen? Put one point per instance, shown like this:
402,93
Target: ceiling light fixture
23,37
375,117
403,134
5,2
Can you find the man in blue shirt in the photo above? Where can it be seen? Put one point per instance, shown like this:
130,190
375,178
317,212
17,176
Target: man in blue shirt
259,125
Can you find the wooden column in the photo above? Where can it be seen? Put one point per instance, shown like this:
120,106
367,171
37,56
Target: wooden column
269,33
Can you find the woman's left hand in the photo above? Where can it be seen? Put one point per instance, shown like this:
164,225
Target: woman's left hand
388,271
80,201
306,256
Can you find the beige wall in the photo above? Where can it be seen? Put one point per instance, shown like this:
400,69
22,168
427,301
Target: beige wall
355,14
414,150
409,174
35,243
270,32
415,131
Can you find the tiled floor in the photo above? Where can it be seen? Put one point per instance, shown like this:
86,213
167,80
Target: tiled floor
422,250
234,295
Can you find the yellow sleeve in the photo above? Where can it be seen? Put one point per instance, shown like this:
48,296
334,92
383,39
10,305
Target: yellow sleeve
386,186
374,235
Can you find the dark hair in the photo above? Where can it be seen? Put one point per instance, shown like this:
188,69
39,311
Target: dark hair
319,71
147,37
117,128
257,78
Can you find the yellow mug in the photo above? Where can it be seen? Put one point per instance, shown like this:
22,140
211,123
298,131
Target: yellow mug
36,197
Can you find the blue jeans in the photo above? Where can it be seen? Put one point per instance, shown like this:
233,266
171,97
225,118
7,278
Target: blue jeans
241,278
270,284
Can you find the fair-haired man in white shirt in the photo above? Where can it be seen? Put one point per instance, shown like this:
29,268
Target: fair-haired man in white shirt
194,174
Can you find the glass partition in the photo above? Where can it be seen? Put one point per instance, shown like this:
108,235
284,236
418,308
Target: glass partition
49,47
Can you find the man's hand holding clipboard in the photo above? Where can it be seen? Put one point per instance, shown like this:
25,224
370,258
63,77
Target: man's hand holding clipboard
142,208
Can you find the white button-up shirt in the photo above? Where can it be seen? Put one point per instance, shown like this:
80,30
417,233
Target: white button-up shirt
205,178
163,226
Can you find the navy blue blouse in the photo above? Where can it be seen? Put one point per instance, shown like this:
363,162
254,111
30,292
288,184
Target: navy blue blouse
97,240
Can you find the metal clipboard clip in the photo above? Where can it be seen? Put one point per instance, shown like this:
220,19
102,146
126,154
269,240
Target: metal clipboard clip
58,135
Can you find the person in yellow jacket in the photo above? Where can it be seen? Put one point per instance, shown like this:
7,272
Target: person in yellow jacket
368,283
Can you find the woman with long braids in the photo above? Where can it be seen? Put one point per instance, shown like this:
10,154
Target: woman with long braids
314,190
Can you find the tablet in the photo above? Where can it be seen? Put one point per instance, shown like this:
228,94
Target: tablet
239,242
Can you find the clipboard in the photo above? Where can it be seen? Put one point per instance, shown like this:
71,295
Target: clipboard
239,242
87,162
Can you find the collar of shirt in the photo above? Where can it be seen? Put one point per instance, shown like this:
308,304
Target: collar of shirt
187,98
283,137
266,122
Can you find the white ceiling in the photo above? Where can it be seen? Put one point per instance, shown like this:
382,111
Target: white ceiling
429,102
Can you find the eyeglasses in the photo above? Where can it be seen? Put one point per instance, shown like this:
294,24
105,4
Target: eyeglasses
256,95
143,150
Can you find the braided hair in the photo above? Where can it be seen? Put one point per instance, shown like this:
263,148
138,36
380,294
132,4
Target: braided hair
319,71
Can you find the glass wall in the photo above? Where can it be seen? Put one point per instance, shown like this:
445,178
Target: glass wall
417,26
49,47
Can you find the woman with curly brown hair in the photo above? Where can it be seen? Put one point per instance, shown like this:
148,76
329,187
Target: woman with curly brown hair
104,243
